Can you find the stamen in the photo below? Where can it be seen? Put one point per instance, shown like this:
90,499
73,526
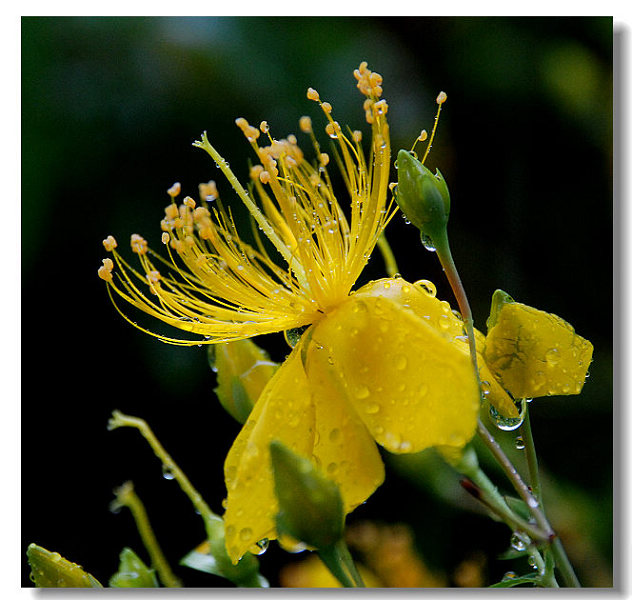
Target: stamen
139,244
264,127
109,243
305,123
188,201
312,94
105,271
165,238
174,190
442,97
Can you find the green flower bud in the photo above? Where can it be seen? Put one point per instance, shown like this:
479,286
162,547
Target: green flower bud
310,506
243,370
133,572
499,299
51,570
423,197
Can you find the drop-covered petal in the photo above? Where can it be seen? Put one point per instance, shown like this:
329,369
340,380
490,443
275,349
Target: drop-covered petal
343,447
284,412
533,353
412,386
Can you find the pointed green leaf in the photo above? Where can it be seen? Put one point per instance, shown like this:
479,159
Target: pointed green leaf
133,572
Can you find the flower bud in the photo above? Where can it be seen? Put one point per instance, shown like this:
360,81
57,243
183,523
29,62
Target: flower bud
51,570
243,370
133,572
423,197
310,505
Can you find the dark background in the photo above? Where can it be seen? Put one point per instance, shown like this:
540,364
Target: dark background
110,108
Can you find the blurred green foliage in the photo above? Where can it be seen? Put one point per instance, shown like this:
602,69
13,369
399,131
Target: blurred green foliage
110,107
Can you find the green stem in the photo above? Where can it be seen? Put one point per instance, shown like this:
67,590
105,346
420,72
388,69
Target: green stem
532,458
337,559
125,496
563,564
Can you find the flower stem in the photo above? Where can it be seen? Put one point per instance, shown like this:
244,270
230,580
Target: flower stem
125,496
532,458
337,559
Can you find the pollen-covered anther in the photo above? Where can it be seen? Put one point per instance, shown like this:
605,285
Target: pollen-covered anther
171,212
305,123
174,190
208,191
139,244
264,176
357,136
109,243
105,271
264,127
442,97
241,123
326,107
312,94
153,276
423,136
380,108
188,201
255,172
333,129
165,238
324,159
252,133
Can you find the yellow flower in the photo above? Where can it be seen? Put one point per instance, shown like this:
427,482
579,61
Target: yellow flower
388,363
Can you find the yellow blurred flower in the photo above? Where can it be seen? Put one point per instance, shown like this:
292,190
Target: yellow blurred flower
388,363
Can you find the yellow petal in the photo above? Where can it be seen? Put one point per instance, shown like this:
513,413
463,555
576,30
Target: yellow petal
533,353
413,386
419,297
284,412
344,448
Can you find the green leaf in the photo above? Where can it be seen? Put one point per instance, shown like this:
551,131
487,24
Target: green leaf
212,559
519,507
51,570
133,572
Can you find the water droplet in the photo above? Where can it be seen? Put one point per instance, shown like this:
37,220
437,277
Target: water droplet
552,357
519,443
532,562
362,392
405,446
332,467
426,240
167,473
372,408
509,575
423,390
486,388
426,286
334,435
400,362
506,423
245,534
519,542
260,547
292,336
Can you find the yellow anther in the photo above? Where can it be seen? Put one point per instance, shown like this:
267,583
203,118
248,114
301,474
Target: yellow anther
171,211
312,94
423,136
326,107
264,177
333,129
105,271
201,213
255,171
174,190
292,139
305,123
165,238
208,191
139,244
392,185
380,107
264,127
177,245
252,133
357,136
241,123
324,159
109,243
188,201
442,97
153,276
